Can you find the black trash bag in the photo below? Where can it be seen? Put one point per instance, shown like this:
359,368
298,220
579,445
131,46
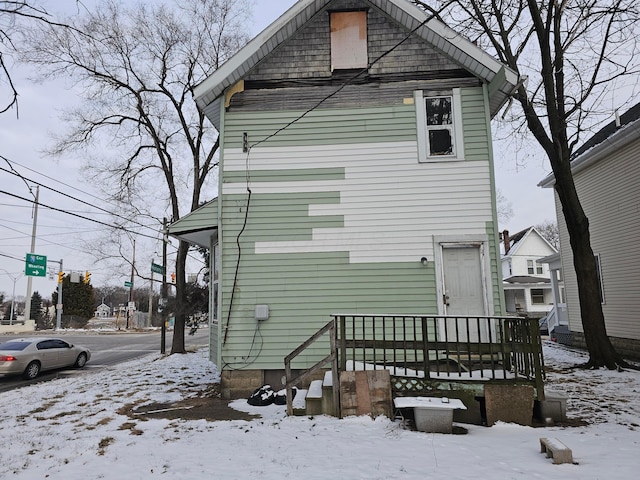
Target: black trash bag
262,397
280,397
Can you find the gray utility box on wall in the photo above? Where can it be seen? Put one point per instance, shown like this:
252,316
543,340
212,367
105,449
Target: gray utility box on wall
262,312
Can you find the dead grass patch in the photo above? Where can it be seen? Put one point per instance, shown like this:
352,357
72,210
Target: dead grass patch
104,443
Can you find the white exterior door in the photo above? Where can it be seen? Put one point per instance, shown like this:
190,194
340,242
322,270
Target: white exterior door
463,292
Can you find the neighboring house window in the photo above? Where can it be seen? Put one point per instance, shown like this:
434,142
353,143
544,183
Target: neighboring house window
439,126
539,269
530,267
510,268
349,40
599,273
537,296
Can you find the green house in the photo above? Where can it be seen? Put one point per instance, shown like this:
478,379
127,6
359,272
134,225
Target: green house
356,175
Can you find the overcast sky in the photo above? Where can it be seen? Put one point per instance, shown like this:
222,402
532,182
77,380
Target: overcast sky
60,236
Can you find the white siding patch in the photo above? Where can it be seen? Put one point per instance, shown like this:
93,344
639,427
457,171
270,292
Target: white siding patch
392,205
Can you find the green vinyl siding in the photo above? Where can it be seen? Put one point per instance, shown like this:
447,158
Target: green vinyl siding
496,270
474,124
302,290
292,175
279,217
320,127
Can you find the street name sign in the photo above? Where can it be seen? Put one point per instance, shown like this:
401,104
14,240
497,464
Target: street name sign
155,268
128,284
35,265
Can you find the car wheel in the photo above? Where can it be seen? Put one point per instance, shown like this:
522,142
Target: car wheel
32,371
81,360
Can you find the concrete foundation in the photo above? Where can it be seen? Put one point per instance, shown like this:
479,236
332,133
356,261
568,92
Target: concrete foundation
236,384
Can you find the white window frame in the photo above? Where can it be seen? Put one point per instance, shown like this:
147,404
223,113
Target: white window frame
420,98
542,292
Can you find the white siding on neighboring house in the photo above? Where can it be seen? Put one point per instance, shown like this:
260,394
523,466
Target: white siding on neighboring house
609,191
525,294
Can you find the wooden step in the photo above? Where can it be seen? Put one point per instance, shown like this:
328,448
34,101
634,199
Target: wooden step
313,400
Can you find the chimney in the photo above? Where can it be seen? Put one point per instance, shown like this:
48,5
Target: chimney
507,241
618,123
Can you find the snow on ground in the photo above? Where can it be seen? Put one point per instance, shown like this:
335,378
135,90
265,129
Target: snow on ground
77,428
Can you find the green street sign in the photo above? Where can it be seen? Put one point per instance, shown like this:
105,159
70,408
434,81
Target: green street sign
35,265
157,268
128,284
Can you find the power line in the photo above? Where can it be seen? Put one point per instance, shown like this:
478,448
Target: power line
346,83
117,227
13,172
11,257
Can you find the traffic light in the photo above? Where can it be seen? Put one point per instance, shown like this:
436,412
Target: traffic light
173,278
60,277
87,277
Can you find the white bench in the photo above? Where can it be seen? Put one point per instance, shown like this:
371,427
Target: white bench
557,450
431,414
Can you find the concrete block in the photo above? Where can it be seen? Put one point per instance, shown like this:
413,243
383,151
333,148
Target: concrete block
557,450
509,403
554,406
433,421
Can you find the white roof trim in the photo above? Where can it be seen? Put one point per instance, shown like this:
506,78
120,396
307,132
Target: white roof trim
619,139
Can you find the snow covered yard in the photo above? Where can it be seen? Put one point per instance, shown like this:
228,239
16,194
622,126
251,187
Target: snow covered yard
94,425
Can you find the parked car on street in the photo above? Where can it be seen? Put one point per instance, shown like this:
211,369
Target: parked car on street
30,356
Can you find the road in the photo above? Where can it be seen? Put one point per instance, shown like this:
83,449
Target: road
106,349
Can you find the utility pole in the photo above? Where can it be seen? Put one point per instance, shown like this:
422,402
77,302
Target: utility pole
27,302
59,305
163,290
14,279
150,309
133,266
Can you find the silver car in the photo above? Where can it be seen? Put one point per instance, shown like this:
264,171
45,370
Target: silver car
30,356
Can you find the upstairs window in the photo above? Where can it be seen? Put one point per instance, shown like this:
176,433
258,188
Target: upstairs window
349,40
439,126
530,270
534,268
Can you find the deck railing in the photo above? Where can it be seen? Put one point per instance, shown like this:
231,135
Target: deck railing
421,351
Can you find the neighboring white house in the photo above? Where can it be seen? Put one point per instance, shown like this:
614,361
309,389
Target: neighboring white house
527,283
102,311
606,171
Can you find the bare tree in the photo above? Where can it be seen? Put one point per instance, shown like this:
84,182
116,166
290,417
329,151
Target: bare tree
549,231
145,140
569,54
504,207
15,15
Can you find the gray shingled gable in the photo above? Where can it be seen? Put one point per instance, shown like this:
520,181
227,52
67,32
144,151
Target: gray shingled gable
208,94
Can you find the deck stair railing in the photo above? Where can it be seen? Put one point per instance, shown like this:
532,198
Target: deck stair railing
329,330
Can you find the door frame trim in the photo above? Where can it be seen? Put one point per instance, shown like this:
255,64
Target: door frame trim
480,241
